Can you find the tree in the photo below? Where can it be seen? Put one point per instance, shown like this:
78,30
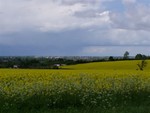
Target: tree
111,58
126,55
140,57
142,65
144,57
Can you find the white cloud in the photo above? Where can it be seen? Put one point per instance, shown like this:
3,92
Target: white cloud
128,37
47,15
95,2
135,17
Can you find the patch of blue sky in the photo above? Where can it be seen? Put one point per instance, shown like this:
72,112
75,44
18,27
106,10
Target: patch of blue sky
145,2
116,6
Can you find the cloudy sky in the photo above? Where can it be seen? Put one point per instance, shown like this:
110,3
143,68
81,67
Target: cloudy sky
74,27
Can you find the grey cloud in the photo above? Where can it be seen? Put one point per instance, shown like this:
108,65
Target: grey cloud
74,42
62,43
86,14
135,17
35,43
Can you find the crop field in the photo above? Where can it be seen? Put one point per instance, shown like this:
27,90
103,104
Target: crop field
106,85
115,65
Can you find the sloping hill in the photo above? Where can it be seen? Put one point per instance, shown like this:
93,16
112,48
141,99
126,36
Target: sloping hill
114,65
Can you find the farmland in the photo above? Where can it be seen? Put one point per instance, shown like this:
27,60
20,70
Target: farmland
104,85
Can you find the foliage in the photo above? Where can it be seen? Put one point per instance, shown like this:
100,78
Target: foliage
140,57
111,58
36,63
126,55
48,62
142,65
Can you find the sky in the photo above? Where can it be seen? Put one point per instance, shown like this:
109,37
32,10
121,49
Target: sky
74,27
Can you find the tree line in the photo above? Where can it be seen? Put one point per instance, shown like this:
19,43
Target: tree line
38,63
127,57
50,63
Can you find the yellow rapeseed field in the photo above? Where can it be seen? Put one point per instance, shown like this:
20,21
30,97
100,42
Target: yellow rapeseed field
101,84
